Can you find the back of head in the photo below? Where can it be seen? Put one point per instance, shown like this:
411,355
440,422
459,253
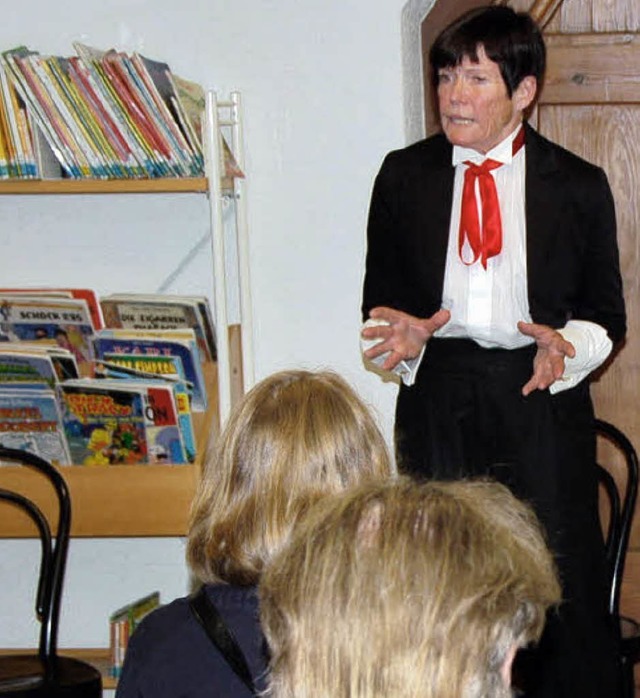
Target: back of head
510,39
406,590
296,436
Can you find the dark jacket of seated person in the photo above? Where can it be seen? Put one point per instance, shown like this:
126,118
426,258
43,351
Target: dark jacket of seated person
293,438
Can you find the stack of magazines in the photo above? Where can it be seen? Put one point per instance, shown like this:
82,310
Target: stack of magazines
109,381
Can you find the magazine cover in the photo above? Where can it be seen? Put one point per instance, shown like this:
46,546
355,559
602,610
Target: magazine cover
157,344
162,312
103,425
87,294
162,422
121,367
30,421
26,370
66,321
64,362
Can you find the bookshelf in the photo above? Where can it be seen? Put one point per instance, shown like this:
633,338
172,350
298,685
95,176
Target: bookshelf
154,501
143,500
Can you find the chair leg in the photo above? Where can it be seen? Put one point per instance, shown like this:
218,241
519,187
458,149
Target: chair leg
628,679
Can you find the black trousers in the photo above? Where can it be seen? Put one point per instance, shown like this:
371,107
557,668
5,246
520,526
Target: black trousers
466,417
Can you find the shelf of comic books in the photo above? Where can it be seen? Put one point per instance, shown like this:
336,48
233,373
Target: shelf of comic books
119,500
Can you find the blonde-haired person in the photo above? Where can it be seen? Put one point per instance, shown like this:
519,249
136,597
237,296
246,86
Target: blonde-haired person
294,438
407,591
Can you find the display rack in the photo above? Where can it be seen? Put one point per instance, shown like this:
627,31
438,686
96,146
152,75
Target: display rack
143,500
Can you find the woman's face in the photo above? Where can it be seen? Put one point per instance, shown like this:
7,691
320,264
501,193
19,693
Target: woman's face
475,108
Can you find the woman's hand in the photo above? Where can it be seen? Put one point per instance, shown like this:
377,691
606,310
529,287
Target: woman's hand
402,336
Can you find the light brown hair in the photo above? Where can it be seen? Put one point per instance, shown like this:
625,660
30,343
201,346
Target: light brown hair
406,590
295,436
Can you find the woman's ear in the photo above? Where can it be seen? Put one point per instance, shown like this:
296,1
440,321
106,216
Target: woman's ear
525,93
505,670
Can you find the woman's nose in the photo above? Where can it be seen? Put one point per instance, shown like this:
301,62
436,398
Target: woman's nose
458,89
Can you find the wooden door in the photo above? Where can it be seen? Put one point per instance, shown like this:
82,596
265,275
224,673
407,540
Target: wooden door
590,103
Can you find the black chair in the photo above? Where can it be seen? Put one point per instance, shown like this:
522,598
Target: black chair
45,673
621,507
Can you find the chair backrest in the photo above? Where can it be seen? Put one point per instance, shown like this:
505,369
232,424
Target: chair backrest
54,553
622,503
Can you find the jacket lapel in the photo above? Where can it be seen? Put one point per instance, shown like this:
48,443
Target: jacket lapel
543,207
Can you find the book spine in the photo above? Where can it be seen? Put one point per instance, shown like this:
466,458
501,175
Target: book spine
49,121
121,139
119,632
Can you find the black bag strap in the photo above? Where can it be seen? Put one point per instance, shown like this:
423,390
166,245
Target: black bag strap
208,616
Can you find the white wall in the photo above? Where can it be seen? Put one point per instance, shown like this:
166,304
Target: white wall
321,82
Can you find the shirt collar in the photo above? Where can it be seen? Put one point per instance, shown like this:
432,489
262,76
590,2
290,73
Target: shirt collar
501,152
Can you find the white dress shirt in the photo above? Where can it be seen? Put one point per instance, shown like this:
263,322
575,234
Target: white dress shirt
486,304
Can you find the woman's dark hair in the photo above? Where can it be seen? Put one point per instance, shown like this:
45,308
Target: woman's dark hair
510,39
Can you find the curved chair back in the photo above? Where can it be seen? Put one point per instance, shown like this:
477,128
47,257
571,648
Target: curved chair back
622,503
52,575
46,674
622,507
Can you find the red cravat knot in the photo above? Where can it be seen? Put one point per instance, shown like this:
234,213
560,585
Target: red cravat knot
484,242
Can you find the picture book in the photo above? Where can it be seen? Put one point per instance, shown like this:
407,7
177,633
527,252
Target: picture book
123,622
158,312
65,320
103,425
168,368
162,425
26,370
30,420
64,362
180,343
121,422
87,294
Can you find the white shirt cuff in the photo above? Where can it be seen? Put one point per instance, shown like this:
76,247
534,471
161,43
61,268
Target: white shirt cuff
592,345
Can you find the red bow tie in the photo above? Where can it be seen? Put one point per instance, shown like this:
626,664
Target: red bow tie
487,242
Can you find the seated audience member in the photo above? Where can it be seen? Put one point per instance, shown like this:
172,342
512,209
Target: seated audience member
400,590
294,438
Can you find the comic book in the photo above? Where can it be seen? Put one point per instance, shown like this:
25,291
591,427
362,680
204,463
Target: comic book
157,312
66,321
169,368
22,370
87,294
63,361
104,426
111,422
30,420
181,343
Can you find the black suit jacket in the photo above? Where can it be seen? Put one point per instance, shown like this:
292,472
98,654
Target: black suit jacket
572,251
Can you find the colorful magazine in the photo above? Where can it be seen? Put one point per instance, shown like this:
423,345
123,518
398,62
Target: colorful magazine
180,343
113,422
30,420
22,370
66,321
152,368
159,312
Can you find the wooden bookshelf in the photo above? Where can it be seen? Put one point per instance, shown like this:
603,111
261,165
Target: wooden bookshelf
117,500
198,185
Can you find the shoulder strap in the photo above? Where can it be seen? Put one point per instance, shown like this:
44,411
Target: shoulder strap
208,616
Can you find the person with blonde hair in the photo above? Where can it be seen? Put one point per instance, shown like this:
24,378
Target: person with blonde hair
296,437
409,591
